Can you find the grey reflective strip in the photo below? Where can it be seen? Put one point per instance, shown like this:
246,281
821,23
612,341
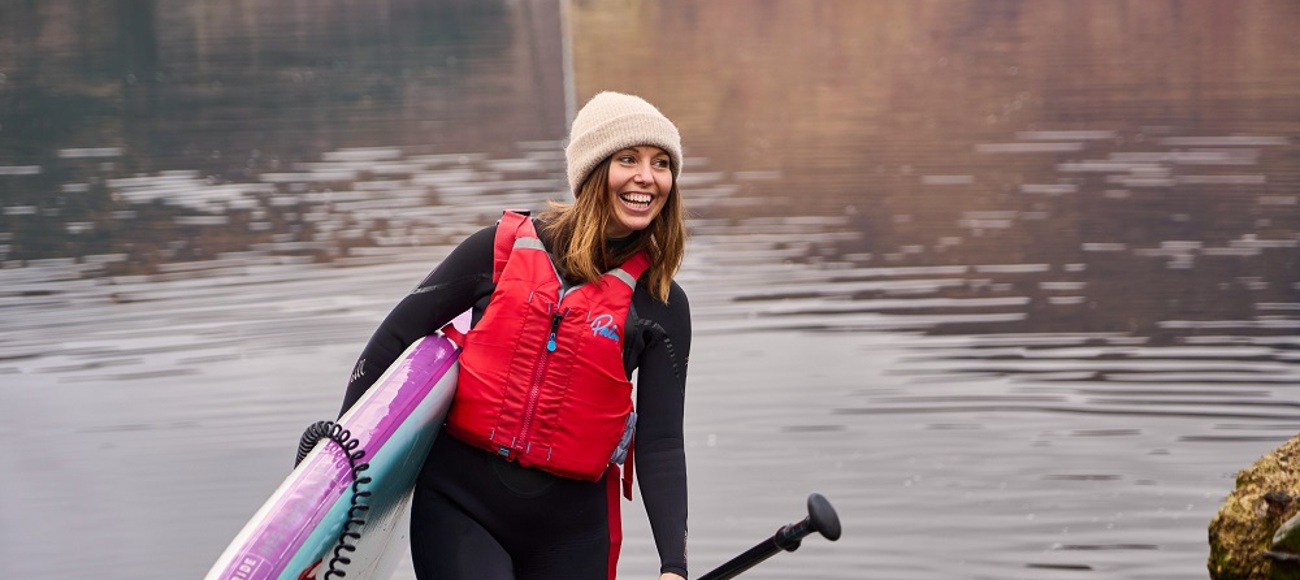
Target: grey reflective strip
622,274
530,243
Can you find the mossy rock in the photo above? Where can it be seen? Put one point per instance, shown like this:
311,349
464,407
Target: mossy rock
1243,529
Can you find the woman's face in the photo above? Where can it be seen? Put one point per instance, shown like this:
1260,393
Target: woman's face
640,179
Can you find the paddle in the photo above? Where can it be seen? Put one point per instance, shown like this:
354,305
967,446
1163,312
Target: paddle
821,518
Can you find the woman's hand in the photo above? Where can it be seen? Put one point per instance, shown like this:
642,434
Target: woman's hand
670,576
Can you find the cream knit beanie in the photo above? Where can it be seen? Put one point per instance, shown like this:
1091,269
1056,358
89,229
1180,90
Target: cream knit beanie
612,121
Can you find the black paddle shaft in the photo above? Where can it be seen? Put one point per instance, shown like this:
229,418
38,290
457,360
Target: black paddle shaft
821,518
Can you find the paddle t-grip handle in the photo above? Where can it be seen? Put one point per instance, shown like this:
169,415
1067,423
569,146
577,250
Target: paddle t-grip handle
821,519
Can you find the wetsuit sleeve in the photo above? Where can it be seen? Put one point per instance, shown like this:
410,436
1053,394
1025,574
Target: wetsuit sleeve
452,288
661,395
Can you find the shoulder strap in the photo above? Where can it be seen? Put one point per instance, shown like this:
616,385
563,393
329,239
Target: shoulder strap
513,223
637,265
631,270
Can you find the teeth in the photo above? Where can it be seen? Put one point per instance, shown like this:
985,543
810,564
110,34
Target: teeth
637,197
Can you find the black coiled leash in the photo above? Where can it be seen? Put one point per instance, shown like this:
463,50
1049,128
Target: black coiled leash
343,438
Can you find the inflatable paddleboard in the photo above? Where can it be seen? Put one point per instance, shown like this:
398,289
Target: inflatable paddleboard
296,533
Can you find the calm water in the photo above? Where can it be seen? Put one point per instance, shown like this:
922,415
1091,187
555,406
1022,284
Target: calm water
1015,284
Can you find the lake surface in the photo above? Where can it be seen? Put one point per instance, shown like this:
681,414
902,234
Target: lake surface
1015,284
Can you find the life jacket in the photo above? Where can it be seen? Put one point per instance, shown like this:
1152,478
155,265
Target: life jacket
542,378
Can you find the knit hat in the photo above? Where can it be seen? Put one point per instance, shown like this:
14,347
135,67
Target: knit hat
610,122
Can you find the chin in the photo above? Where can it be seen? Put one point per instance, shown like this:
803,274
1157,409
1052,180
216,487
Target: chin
632,225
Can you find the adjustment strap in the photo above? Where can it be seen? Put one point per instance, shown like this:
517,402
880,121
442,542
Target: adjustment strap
614,511
456,336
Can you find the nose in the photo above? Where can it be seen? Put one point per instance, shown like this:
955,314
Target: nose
643,174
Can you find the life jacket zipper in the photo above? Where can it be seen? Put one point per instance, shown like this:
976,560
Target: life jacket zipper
520,444
539,374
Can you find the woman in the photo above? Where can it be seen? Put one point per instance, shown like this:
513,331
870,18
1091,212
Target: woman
526,485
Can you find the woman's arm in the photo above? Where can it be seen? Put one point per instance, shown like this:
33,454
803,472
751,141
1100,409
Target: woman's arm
660,452
452,288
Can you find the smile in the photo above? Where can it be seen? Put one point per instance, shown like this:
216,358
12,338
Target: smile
637,200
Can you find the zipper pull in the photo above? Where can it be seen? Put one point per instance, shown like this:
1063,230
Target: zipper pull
555,327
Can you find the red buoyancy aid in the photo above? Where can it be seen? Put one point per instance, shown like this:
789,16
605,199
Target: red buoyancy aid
542,379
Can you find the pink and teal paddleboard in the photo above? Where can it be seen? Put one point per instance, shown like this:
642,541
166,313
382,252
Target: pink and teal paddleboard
295,534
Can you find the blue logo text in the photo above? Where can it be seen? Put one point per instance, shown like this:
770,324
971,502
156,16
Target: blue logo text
603,325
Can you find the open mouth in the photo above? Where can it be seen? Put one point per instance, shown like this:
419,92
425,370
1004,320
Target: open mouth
637,201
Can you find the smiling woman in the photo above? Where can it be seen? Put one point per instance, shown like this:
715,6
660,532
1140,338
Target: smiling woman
565,308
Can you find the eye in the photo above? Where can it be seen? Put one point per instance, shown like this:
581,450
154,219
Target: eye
662,163
626,159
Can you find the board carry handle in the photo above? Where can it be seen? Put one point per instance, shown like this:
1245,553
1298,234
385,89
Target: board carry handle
821,518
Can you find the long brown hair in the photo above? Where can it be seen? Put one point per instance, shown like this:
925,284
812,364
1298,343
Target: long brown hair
579,230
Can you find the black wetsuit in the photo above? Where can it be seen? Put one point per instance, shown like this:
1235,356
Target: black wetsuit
477,516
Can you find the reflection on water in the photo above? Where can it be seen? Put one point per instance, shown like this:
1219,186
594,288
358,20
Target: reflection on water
184,131
1015,284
